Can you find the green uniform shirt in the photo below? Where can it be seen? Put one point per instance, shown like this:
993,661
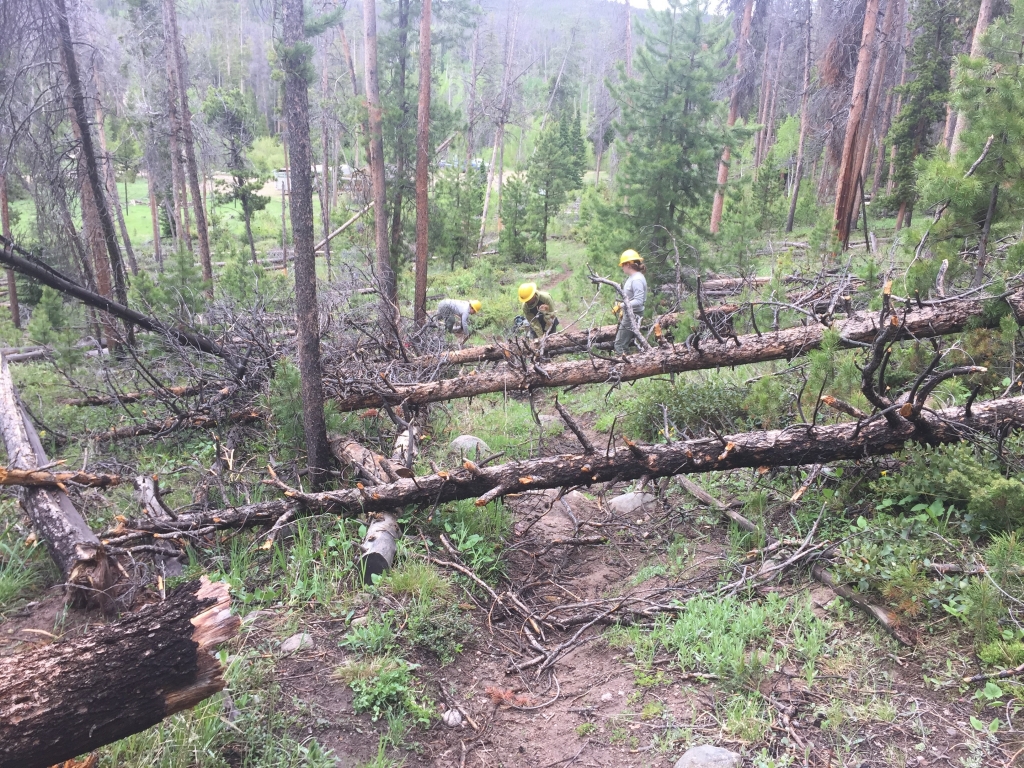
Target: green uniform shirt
539,321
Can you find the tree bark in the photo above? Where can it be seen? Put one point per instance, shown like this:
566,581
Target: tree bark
44,478
72,696
734,103
877,79
980,27
385,274
325,176
76,550
5,230
804,99
422,169
775,448
110,175
399,145
185,118
307,309
931,321
846,185
154,215
80,116
42,274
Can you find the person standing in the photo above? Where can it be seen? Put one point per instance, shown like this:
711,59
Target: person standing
455,314
635,292
538,309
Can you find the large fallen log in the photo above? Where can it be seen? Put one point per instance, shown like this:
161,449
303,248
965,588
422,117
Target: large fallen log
77,551
925,322
31,267
794,446
67,698
134,397
380,544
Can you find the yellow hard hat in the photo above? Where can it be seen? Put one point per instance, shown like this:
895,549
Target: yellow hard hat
527,291
475,305
630,255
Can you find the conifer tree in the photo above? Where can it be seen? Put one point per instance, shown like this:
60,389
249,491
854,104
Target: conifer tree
676,129
555,170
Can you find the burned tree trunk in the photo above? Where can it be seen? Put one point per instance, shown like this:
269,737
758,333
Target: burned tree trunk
75,549
75,695
929,322
794,446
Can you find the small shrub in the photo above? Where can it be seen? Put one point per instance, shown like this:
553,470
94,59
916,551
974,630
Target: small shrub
386,687
696,405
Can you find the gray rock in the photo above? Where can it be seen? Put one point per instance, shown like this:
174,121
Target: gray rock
706,756
630,502
452,718
298,642
470,446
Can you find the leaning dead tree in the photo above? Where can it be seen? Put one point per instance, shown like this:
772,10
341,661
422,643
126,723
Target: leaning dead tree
24,263
72,696
78,553
927,321
796,445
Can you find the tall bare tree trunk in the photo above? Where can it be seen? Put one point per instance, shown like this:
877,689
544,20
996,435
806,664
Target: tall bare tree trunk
896,111
769,128
155,217
422,168
471,108
497,154
5,229
185,120
93,200
115,199
350,64
846,184
385,274
325,175
734,104
804,98
286,193
307,316
400,145
883,126
980,27
877,78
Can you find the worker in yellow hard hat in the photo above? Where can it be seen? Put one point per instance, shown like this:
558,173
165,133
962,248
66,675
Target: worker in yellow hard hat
455,314
538,308
635,292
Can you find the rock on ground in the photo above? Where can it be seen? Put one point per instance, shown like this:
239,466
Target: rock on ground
706,756
630,502
469,445
297,642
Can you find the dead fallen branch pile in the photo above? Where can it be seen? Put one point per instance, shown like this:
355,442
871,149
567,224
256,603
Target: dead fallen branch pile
925,321
161,427
64,699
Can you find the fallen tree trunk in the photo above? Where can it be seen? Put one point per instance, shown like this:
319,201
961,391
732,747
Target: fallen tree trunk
794,446
134,397
65,699
380,544
35,478
31,267
77,551
175,423
930,321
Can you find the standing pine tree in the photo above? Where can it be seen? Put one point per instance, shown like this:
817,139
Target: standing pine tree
555,170
671,133
986,204
924,97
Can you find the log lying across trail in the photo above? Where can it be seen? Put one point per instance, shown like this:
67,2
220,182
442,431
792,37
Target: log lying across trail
30,267
65,699
77,551
939,320
794,446
44,477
